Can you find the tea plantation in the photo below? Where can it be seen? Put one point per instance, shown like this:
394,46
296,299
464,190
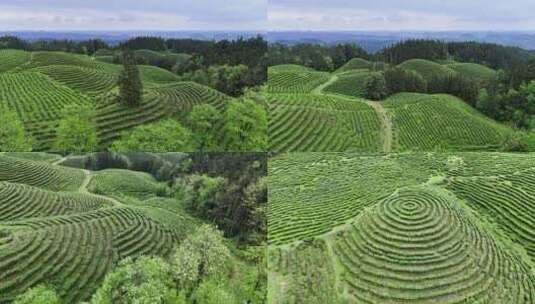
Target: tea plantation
402,228
39,85
69,227
320,111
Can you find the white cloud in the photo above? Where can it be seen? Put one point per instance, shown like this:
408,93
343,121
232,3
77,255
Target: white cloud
392,15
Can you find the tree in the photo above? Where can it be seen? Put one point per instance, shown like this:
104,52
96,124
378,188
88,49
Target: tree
401,80
376,87
204,122
213,253
145,281
201,194
130,86
246,126
214,292
76,132
164,136
13,138
40,294
185,266
201,256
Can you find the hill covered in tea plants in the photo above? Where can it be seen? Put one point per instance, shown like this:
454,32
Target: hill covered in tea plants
320,111
39,85
71,229
410,227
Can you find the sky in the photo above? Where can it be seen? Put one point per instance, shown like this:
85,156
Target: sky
121,15
401,15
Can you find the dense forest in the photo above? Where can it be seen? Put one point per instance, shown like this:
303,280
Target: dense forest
508,97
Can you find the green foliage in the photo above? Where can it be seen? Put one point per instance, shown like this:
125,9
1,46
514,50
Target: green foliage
231,80
201,193
245,126
401,80
145,281
130,86
515,143
164,136
76,132
376,87
213,255
205,121
13,137
214,292
40,294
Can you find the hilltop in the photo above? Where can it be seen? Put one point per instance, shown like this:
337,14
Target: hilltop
409,227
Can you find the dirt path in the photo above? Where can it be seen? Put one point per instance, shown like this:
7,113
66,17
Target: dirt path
386,125
319,89
85,183
59,161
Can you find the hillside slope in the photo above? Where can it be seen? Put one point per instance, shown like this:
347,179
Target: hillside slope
402,228
429,122
39,85
55,228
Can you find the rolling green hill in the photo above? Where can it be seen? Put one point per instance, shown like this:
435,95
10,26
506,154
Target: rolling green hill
317,111
38,85
428,69
351,83
294,79
473,71
359,63
427,122
311,122
401,228
69,227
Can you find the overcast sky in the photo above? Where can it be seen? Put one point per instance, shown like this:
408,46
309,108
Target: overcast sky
133,15
398,15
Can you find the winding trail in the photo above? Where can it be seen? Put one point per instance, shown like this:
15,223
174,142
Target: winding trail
83,189
59,161
386,124
319,89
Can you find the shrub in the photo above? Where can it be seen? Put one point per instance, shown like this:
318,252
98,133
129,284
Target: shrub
147,280
77,132
246,126
13,138
204,121
40,294
164,136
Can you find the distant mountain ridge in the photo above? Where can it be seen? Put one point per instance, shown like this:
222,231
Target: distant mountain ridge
115,37
373,41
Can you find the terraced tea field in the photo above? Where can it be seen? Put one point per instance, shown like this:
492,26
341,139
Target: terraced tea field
427,122
402,228
38,85
68,227
311,122
318,111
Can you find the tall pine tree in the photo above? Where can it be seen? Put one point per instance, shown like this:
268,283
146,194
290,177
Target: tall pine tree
130,86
